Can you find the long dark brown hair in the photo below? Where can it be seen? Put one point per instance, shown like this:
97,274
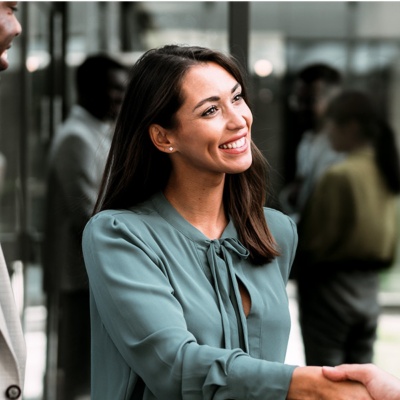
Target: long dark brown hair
136,169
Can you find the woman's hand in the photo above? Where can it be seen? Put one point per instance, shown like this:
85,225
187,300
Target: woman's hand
380,384
309,383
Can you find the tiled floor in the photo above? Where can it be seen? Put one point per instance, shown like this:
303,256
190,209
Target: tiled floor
387,346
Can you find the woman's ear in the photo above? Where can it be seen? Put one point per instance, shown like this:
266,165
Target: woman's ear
160,138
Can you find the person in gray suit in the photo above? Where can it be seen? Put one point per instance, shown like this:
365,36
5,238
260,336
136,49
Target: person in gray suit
12,343
76,162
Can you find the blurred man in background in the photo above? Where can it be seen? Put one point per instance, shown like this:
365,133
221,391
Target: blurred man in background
76,162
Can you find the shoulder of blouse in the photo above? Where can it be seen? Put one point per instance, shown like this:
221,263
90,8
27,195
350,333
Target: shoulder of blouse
132,218
279,223
284,231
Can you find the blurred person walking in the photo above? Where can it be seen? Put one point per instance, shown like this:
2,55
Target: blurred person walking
12,343
316,85
347,235
76,163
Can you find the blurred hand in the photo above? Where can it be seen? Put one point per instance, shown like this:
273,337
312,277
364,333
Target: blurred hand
380,384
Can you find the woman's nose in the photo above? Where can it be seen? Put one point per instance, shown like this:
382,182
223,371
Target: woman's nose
236,119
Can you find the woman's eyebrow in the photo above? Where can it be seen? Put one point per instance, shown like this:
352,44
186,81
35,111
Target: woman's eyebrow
213,98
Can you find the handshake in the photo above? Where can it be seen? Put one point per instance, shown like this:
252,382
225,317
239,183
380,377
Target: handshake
380,384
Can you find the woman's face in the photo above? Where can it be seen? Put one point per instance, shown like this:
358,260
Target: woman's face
213,129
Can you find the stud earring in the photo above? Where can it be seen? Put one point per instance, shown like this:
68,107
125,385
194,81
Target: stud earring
170,148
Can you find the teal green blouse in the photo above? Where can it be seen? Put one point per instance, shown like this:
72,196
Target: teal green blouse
166,313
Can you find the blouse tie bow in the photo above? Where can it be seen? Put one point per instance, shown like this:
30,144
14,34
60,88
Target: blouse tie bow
221,254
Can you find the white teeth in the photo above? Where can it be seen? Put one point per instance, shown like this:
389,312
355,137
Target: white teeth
234,145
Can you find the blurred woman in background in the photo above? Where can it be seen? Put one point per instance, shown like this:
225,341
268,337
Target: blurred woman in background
347,235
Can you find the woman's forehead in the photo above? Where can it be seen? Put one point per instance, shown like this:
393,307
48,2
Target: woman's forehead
207,79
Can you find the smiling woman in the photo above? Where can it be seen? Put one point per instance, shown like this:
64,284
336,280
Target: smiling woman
187,269
213,130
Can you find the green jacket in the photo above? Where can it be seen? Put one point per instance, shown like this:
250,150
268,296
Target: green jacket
351,214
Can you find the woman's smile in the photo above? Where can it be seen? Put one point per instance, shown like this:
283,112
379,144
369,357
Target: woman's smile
237,144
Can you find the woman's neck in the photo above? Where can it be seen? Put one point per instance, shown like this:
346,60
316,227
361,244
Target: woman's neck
200,203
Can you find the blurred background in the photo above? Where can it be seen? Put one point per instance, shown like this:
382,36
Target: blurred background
273,40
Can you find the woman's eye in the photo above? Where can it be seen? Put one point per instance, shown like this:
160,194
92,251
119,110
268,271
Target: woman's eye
238,97
210,111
